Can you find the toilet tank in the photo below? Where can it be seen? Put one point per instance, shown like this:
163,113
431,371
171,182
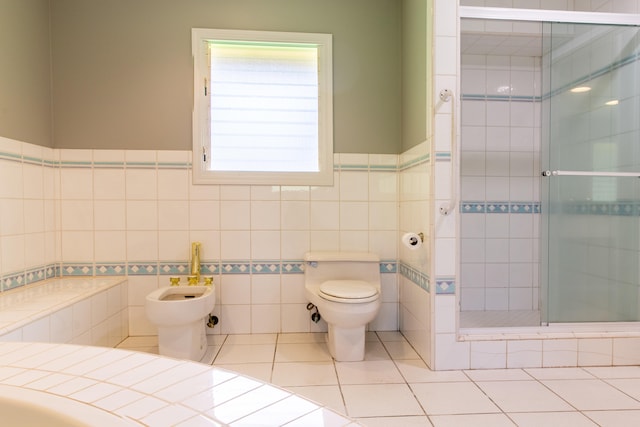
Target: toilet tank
322,266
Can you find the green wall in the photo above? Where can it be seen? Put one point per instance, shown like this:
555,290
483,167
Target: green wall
416,84
25,78
117,74
122,69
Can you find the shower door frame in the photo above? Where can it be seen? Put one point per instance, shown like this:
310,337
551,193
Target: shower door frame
541,16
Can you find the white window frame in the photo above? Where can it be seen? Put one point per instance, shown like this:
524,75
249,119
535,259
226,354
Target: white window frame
201,122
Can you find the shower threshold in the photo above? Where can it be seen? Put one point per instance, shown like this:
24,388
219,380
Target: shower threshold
526,324
499,318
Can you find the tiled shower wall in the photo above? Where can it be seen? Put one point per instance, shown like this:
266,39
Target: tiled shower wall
500,145
135,213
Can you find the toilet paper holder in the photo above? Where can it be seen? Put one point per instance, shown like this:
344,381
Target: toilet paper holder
421,236
413,240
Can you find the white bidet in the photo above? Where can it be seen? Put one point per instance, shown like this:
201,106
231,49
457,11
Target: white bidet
180,313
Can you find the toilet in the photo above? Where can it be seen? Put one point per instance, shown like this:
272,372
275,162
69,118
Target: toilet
181,314
345,288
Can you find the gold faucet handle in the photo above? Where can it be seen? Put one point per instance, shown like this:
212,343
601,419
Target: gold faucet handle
193,280
175,281
208,281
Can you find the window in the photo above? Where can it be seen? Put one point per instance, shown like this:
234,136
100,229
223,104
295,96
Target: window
263,110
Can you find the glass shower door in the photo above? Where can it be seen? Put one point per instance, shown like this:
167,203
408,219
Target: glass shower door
591,180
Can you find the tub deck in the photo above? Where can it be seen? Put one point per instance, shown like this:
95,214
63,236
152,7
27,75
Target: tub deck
65,310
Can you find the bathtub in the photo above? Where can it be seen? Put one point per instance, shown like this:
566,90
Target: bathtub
81,310
24,407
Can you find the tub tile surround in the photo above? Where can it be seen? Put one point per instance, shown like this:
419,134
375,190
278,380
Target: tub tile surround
91,311
128,384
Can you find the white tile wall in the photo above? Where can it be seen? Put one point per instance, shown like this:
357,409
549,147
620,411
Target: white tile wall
137,212
499,162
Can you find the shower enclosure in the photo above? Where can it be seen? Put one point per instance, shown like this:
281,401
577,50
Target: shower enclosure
550,169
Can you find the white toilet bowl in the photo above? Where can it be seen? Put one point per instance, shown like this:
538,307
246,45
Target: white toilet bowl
345,287
180,313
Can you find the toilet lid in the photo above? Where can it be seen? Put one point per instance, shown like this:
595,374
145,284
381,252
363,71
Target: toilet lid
348,289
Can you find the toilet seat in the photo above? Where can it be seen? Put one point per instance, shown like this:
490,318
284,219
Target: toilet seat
348,291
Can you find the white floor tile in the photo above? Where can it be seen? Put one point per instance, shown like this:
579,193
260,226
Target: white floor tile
630,386
245,353
559,374
523,396
374,350
260,371
251,339
498,375
141,341
453,398
327,395
475,420
614,418
387,336
393,387
303,374
615,371
301,338
537,419
416,371
415,421
368,372
401,350
304,352
591,395
380,400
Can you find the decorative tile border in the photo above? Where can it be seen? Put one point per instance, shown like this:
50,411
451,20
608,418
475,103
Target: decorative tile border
165,268
445,286
35,275
80,269
235,267
292,267
388,266
417,277
419,160
265,267
13,281
499,207
111,269
142,269
617,208
173,268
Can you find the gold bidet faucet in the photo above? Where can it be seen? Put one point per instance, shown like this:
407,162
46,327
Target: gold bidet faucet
195,261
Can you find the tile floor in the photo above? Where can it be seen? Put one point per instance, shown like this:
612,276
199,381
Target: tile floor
393,386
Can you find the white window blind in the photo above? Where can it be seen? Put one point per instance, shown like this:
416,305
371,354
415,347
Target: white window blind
264,107
263,110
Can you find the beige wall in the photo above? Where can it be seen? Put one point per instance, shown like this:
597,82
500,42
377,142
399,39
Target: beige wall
415,75
122,69
25,84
